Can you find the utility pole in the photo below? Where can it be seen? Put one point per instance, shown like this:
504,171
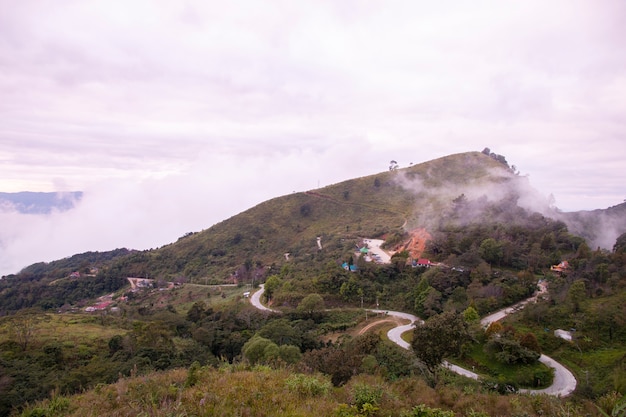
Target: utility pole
362,305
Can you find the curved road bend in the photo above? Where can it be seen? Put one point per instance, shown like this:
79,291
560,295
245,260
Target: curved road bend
255,300
564,382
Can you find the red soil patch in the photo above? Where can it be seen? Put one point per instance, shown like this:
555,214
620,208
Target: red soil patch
416,245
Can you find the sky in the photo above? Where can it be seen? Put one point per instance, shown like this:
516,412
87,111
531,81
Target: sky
174,115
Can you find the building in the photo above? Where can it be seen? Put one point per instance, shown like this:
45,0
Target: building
560,268
422,263
136,283
351,268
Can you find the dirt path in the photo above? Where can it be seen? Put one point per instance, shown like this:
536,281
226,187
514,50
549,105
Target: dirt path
377,323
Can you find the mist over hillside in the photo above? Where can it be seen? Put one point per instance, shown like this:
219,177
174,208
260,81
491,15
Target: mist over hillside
600,227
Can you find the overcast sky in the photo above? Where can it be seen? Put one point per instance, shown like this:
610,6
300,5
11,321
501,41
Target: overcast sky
174,115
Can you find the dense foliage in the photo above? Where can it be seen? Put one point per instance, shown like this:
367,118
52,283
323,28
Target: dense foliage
67,281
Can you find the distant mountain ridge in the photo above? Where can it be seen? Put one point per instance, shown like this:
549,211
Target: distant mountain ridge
29,202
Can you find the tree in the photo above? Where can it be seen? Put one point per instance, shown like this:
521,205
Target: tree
256,349
311,304
491,251
305,210
576,295
333,361
281,332
494,328
289,353
271,285
421,292
620,244
440,336
529,341
470,315
350,290
397,362
432,302
22,327
507,349
196,312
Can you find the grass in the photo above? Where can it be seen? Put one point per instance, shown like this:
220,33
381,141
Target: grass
237,390
408,336
383,328
182,298
73,330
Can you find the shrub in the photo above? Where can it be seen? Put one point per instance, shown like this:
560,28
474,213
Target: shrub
423,411
192,376
611,405
366,397
308,386
53,407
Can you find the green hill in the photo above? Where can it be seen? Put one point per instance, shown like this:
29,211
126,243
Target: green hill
488,238
373,206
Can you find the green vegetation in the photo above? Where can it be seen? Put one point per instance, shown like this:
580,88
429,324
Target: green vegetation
191,344
232,390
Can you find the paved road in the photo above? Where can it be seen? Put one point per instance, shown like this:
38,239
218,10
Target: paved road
500,314
564,382
395,334
255,300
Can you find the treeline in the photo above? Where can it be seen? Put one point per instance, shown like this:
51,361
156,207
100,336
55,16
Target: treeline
52,285
82,262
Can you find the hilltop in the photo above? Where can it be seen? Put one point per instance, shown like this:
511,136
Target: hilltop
385,204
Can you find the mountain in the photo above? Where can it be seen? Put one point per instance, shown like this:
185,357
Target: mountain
463,234
29,202
456,190
434,199
460,189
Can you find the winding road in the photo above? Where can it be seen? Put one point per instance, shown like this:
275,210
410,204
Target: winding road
564,382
